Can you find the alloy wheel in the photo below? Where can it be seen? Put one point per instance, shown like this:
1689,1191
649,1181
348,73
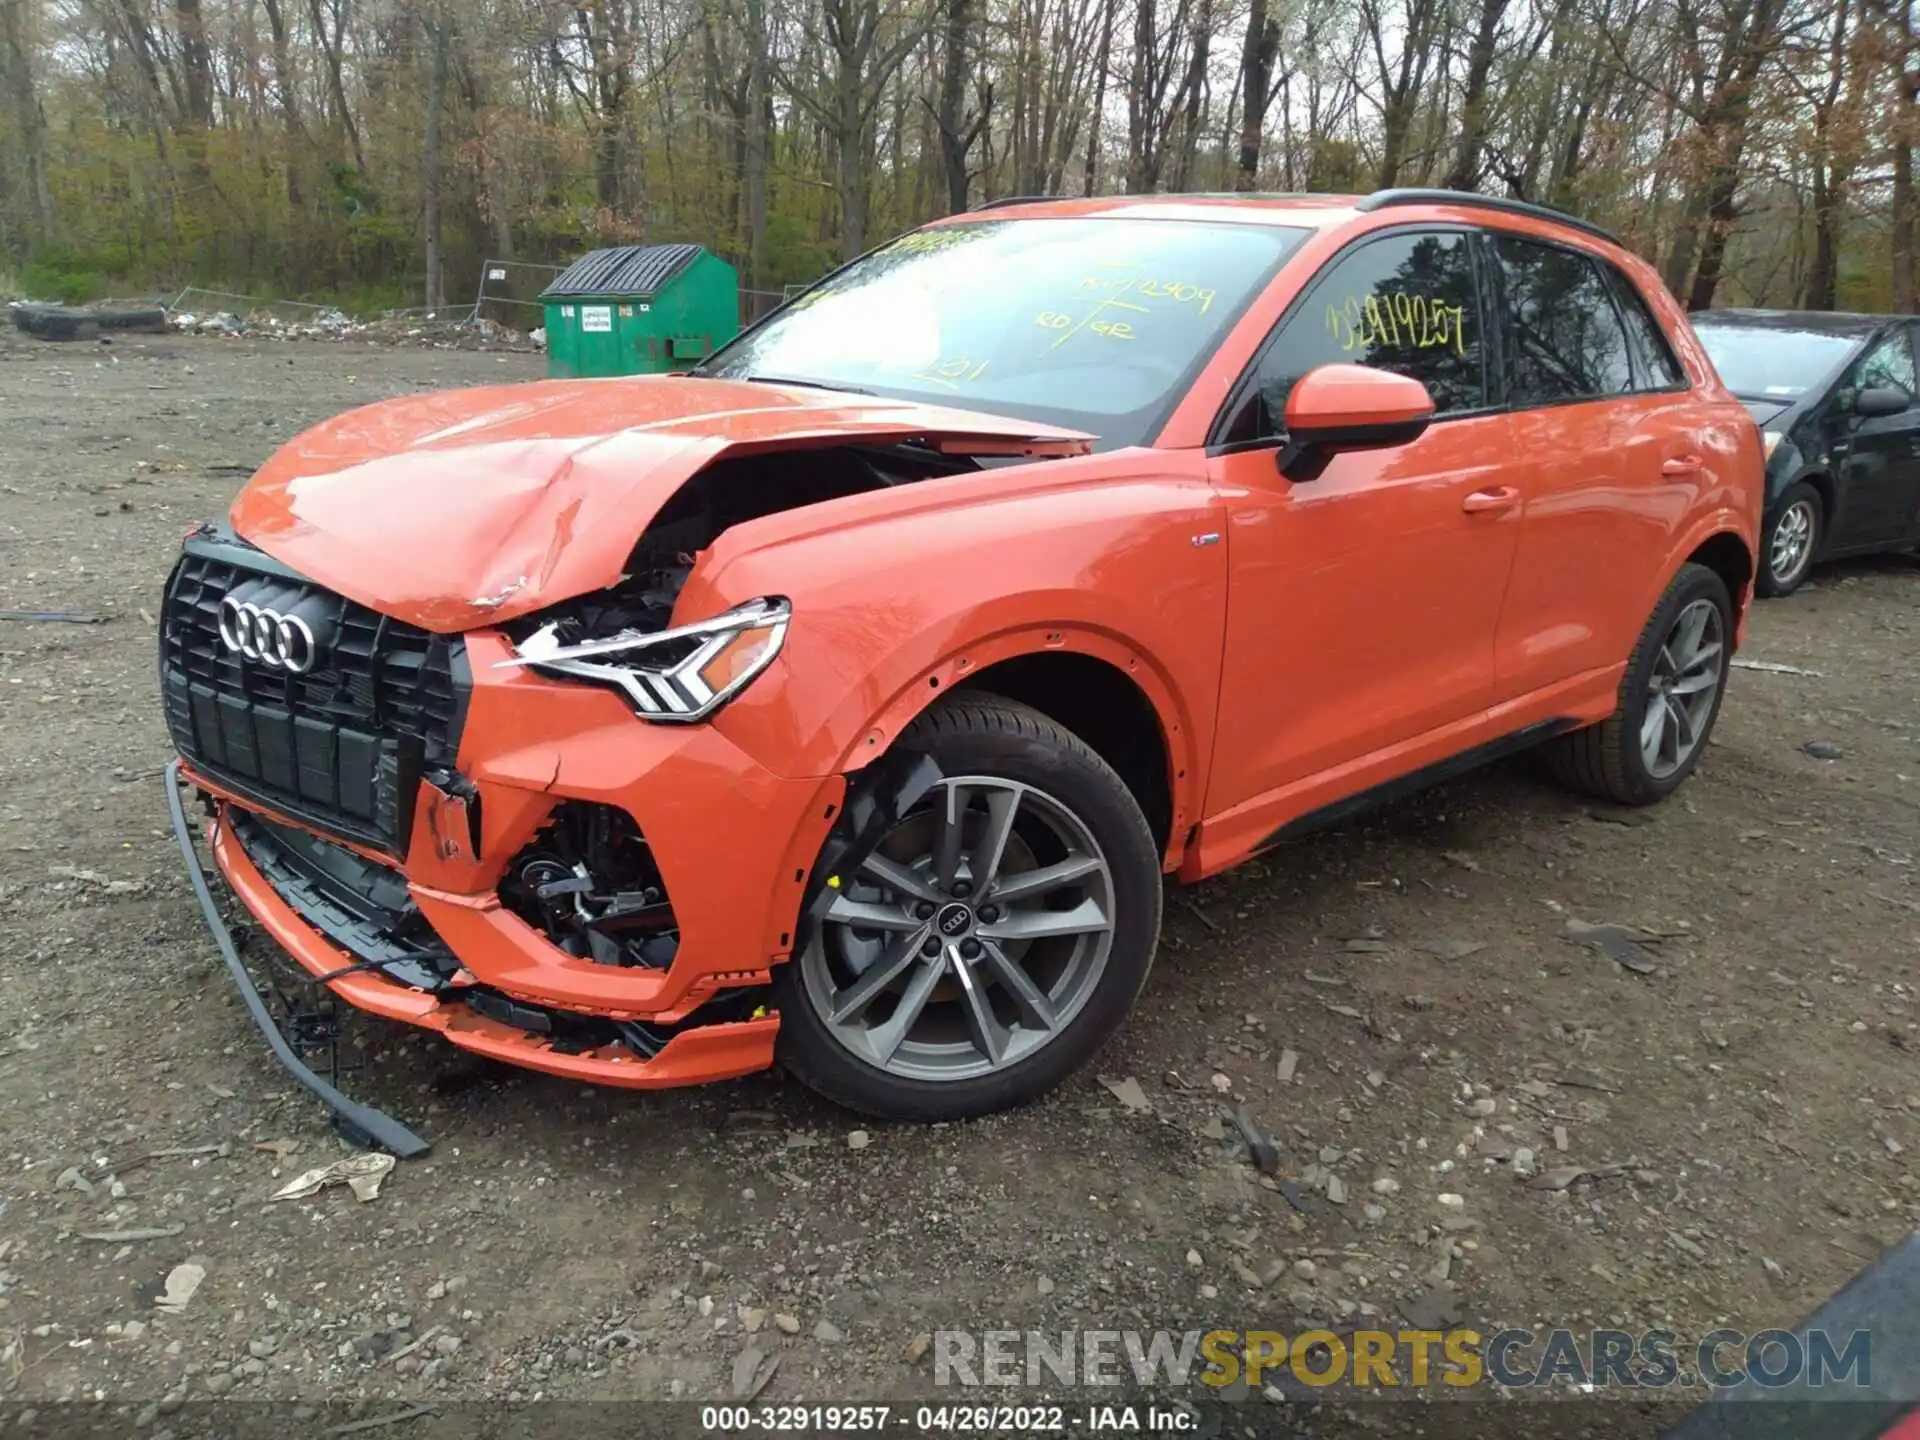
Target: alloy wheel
970,938
1682,689
1792,546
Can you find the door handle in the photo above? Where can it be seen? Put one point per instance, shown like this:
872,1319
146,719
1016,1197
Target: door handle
1683,465
1482,502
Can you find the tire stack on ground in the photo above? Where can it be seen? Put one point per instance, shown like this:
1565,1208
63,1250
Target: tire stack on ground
66,322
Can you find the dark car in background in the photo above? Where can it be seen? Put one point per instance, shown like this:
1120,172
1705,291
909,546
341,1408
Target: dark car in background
1837,400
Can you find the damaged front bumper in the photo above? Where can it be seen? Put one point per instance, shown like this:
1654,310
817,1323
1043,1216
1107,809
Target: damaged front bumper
430,941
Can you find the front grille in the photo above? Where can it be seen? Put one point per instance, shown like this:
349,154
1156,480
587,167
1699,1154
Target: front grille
342,746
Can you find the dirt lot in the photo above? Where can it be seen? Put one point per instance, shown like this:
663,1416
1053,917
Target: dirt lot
1751,1099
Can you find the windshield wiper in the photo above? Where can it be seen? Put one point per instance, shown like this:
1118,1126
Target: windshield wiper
764,379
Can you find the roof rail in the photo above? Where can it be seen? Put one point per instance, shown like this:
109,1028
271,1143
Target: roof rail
1006,200
1382,199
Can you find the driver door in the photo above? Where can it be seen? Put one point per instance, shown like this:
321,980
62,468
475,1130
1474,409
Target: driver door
1363,604
1880,474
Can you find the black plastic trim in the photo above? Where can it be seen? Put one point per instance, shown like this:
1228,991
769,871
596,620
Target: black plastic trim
1385,199
1412,783
379,1127
1883,1301
363,908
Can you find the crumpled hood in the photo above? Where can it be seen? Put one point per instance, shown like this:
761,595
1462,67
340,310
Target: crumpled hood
467,507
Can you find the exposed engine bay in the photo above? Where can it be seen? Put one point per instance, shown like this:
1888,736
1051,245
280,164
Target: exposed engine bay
720,497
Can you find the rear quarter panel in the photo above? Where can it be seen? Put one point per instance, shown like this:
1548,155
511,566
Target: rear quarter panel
1730,492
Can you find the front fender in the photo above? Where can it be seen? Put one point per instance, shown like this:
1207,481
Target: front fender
890,612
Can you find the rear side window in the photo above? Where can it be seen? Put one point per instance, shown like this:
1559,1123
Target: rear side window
1405,302
1565,341
1659,369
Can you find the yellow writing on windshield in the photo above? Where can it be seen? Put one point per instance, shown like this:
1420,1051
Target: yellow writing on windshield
942,237
1398,320
1178,291
951,372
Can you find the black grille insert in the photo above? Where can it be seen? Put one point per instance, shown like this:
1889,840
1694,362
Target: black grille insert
342,746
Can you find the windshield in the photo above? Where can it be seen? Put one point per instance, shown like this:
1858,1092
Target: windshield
1773,364
1096,325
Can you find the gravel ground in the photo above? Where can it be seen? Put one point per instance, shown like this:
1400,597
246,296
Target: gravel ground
1398,1003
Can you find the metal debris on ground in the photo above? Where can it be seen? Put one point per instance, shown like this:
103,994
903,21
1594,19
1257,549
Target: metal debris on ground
1259,1145
1770,667
1205,919
1566,1175
53,617
378,1422
1128,1092
144,1232
1619,943
360,1173
1450,949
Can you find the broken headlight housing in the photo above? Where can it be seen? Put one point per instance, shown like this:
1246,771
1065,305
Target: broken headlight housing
673,676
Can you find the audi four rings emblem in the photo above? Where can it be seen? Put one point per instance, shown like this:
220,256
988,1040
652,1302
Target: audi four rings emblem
256,633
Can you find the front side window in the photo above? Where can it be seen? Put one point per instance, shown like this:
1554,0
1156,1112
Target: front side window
1406,303
1566,341
1094,324
1888,365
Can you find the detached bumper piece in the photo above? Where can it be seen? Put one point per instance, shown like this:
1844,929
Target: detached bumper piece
378,1128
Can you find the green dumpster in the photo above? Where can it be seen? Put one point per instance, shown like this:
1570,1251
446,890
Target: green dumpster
640,310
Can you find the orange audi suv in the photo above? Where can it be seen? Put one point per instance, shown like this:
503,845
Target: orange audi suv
843,703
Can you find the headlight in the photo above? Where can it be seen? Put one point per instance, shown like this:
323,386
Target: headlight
1772,439
675,676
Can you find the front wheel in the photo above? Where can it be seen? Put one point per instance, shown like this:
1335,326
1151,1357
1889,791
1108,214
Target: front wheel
1669,699
993,940
1790,541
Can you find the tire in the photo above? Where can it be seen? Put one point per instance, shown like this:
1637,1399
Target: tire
996,743
1800,513
1609,760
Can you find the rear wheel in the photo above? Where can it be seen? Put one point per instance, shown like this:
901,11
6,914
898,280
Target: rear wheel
1790,541
993,940
1669,699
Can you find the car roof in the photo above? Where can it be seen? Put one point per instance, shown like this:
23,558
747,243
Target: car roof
1820,322
1310,211
1313,211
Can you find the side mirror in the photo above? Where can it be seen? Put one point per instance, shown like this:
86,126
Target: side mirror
1349,407
1878,400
